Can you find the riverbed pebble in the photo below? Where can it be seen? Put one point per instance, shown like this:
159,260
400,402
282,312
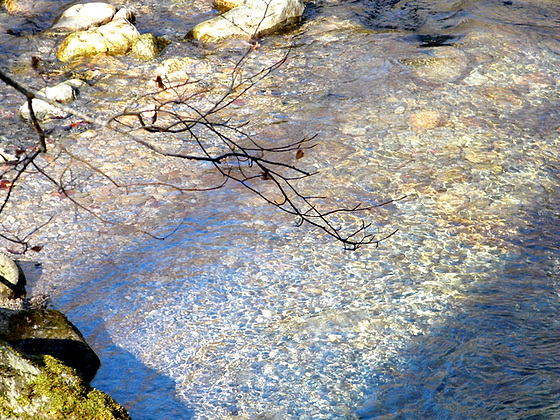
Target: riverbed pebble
427,120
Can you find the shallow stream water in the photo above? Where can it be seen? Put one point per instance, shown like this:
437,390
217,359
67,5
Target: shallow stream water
242,314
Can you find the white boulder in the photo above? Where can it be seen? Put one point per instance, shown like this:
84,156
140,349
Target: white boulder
251,20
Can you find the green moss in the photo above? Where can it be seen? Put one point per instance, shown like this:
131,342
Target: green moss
6,371
5,411
67,396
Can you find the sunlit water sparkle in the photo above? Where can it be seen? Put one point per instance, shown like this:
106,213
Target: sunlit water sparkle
240,314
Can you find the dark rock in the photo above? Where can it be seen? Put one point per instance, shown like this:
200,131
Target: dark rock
48,332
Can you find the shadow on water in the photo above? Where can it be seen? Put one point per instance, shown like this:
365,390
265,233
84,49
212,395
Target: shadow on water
511,379
494,358
146,393
143,391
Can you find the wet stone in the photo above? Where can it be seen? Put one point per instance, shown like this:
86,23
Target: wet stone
148,46
64,93
12,279
427,120
83,16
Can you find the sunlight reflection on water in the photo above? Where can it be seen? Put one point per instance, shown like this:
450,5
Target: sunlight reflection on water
242,314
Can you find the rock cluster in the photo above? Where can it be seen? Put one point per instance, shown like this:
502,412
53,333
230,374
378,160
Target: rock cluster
45,363
95,28
98,27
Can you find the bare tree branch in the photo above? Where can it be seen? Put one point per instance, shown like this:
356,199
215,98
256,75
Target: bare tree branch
236,155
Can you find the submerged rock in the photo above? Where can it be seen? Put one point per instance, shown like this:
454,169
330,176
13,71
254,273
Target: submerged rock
427,120
438,65
27,7
253,19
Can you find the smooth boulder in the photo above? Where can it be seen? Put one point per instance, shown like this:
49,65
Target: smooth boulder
114,38
12,279
251,20
83,16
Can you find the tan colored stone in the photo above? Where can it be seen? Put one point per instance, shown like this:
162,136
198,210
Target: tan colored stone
148,46
12,281
427,120
115,38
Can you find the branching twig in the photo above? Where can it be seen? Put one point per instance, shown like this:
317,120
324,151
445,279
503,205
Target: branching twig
229,148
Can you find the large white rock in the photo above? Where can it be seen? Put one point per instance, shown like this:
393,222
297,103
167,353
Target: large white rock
253,19
83,16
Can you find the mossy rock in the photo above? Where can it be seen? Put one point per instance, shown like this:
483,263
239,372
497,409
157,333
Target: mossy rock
49,390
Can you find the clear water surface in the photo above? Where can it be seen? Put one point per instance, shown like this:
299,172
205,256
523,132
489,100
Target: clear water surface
241,314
